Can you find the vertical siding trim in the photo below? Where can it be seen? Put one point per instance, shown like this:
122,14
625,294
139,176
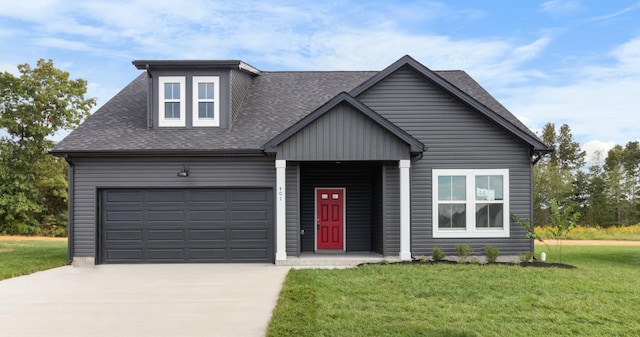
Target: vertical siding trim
281,210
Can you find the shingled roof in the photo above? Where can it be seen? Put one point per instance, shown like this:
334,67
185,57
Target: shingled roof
276,101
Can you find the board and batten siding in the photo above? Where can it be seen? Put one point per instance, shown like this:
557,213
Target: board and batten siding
92,174
343,133
457,138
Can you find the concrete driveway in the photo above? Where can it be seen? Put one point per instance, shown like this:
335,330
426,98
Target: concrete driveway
142,300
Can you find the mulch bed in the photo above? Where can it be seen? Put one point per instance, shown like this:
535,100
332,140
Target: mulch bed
533,264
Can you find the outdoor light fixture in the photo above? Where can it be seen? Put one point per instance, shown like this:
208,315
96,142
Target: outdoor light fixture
184,172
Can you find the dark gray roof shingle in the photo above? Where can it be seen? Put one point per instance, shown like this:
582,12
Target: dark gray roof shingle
276,100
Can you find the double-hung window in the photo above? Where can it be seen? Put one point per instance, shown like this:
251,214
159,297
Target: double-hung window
206,101
470,203
172,101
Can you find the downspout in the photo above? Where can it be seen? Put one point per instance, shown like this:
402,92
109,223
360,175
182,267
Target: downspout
70,207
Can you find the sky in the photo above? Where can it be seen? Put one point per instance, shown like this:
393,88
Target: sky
560,61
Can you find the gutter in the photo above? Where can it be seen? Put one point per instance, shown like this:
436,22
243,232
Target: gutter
70,207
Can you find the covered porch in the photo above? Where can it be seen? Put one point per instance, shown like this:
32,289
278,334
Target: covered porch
343,184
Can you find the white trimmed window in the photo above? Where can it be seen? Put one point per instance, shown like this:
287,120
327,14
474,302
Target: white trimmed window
206,101
172,101
470,203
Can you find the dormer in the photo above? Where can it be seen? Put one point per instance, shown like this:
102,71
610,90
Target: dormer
195,93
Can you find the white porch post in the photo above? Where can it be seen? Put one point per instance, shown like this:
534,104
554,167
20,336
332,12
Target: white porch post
281,210
405,211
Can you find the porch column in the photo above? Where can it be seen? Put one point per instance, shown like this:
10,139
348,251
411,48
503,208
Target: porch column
281,210
405,211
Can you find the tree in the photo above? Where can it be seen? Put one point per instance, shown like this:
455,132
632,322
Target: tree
33,106
556,173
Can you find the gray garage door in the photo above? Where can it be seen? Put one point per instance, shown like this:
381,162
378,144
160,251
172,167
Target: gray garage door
186,225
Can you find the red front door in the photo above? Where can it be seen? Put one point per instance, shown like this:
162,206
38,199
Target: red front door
330,218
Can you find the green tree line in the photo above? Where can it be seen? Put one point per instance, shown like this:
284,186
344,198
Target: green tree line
34,105
605,193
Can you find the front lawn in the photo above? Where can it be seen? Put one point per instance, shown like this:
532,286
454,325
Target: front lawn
599,298
26,257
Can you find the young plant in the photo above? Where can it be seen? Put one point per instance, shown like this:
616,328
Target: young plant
437,254
525,257
564,220
491,252
463,252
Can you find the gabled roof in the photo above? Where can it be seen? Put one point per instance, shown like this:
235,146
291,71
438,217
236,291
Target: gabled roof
462,87
275,102
415,145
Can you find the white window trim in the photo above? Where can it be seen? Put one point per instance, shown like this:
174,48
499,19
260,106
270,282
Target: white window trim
471,231
216,101
171,122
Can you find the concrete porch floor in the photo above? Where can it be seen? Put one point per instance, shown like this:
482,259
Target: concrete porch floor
334,259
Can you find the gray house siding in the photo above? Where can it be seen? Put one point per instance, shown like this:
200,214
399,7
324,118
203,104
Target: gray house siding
391,197
92,174
377,212
343,134
293,208
457,137
240,83
357,179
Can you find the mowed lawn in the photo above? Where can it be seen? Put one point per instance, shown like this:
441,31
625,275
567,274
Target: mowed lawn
599,298
22,257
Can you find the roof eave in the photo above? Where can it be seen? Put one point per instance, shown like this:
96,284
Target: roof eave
195,64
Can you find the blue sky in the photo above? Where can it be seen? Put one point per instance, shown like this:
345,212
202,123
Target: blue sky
560,61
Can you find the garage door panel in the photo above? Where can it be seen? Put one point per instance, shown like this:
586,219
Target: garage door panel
124,216
124,255
247,215
124,235
208,254
208,235
259,196
130,196
248,254
166,255
186,225
249,234
209,216
164,196
166,235
208,196
162,216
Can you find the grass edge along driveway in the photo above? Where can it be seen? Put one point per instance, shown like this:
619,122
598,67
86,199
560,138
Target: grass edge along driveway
23,256
599,298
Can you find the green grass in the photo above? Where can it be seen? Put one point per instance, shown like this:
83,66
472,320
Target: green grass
26,257
599,298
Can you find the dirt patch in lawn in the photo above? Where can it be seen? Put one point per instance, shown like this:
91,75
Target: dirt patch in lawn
29,238
590,243
5,250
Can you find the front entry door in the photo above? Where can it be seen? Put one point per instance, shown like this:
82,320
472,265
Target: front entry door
330,218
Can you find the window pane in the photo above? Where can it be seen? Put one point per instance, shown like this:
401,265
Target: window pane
205,110
452,188
489,216
205,90
489,188
452,216
172,91
172,110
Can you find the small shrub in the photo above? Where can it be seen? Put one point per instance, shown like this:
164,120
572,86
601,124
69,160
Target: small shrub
491,252
423,259
463,252
437,254
525,257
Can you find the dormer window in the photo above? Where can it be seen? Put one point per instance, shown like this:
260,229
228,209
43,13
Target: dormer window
206,101
172,104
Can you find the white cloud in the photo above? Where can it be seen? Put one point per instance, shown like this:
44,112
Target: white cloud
596,151
560,7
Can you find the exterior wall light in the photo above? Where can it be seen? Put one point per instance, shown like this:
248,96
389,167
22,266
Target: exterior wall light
183,173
